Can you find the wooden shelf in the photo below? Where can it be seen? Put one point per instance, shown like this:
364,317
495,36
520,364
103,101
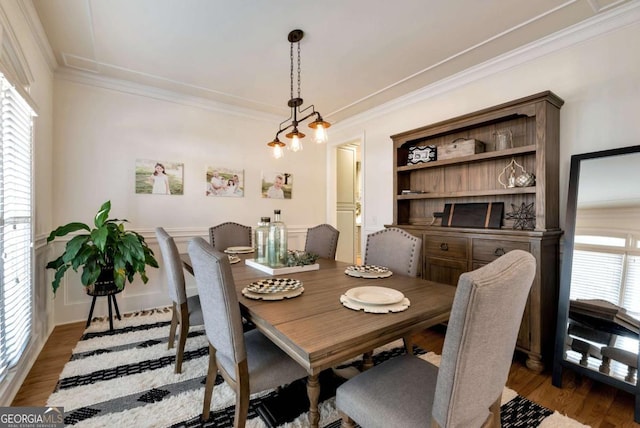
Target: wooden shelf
470,193
472,158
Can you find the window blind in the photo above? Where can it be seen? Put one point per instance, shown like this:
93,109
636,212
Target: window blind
596,275
15,225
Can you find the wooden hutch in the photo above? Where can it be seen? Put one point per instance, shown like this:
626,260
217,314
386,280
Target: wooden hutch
447,252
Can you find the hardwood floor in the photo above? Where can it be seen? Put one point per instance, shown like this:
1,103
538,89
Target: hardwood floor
591,403
42,378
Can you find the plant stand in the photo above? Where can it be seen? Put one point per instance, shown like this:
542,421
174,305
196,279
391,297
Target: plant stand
109,290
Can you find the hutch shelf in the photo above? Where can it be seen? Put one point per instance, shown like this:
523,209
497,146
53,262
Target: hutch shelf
422,189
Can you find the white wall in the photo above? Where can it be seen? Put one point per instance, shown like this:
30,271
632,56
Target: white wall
598,77
16,25
100,132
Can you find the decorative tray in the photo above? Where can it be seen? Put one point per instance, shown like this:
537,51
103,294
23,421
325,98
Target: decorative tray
368,271
280,271
239,250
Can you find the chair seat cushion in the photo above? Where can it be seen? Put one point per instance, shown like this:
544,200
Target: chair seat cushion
269,366
396,393
195,311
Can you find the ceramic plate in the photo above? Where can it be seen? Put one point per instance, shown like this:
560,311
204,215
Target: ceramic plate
274,285
368,271
375,309
375,295
239,250
272,296
233,259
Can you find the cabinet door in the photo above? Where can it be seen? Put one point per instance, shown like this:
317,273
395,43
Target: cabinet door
446,271
445,258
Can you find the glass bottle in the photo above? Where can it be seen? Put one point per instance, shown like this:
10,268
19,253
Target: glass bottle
277,251
260,240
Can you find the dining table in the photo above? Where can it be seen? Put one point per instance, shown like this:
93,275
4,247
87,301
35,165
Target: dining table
319,332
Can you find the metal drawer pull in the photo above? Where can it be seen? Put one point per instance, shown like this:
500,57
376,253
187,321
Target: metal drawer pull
444,246
499,252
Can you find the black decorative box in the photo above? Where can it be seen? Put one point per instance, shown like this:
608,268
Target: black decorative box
421,154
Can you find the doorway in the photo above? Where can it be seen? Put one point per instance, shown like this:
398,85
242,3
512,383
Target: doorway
348,202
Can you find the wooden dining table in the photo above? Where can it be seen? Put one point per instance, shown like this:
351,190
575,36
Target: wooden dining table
318,332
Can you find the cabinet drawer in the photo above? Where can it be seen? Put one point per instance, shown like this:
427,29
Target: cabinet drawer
445,246
490,249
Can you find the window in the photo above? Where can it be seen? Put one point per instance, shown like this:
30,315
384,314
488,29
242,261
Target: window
15,225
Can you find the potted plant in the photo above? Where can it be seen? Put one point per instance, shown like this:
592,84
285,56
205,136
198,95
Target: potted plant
108,254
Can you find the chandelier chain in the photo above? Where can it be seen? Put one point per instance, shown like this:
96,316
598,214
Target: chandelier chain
299,70
291,68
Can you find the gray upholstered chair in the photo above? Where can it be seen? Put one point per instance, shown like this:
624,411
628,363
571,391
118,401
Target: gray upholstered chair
465,391
229,234
186,310
322,240
394,248
249,362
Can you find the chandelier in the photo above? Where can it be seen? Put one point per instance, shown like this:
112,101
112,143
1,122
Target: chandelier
295,103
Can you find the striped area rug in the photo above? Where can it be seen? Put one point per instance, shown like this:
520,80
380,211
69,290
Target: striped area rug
126,378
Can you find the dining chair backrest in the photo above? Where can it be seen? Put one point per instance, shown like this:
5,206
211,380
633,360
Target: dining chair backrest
229,234
395,249
480,340
221,310
322,240
173,266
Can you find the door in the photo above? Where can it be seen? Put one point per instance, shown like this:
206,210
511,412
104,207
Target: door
346,198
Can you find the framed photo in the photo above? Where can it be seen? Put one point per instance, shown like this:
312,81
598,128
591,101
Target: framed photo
224,182
277,185
159,177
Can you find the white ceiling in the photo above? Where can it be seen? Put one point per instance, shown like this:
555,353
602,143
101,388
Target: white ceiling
356,54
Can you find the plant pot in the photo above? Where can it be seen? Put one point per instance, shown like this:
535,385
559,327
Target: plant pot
104,286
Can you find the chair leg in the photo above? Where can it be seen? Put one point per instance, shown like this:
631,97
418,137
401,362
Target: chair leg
93,304
367,360
182,340
493,420
174,325
242,395
347,422
408,344
212,372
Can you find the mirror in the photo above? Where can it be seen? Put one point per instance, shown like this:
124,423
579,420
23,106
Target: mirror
598,324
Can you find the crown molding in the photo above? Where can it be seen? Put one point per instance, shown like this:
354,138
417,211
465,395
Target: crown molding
133,88
35,26
603,23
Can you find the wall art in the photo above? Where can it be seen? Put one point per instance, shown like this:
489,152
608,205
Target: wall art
277,185
159,177
221,181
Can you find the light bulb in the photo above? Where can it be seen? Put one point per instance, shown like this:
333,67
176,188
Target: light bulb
296,145
320,135
277,151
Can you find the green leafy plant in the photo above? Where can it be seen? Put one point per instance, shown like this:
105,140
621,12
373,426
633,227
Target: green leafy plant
300,258
106,247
